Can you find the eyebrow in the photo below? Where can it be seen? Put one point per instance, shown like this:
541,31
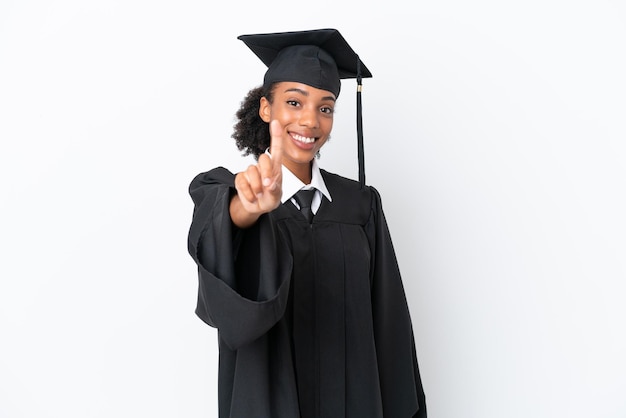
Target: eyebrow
306,93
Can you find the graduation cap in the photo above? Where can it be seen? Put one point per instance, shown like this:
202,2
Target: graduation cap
319,58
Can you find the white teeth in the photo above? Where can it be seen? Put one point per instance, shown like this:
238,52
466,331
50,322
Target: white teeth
303,139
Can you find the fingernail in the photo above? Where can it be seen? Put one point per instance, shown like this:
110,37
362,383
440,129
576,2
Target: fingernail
259,196
267,181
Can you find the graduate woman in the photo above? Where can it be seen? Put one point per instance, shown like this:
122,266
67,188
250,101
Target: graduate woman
305,293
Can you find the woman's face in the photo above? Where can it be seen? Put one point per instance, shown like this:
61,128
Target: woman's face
305,114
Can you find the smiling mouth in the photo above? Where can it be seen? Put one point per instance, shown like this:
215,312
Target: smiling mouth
303,139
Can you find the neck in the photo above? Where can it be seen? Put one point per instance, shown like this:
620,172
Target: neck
303,172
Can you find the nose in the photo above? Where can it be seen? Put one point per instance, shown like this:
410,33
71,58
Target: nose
309,117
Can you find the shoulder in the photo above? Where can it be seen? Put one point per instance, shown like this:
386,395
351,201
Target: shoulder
210,184
338,180
356,201
218,175
352,188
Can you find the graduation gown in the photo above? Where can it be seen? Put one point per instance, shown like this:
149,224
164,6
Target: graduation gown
312,319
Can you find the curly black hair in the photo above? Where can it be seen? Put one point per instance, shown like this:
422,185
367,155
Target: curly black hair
252,134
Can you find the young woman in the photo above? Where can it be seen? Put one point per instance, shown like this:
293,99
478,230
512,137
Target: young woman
307,297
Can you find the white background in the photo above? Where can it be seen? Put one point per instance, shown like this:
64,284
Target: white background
495,132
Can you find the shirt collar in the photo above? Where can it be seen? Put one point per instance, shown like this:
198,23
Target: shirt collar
291,183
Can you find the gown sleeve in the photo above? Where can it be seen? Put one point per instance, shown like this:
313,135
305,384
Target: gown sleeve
400,381
243,282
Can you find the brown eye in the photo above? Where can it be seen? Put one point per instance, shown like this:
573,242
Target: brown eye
328,110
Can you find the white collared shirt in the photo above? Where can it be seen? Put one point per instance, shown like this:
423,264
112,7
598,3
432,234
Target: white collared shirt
292,184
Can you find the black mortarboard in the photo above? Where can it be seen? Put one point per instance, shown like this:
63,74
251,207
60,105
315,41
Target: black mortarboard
319,58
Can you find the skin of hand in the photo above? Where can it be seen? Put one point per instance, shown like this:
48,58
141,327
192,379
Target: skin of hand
306,117
259,187
300,121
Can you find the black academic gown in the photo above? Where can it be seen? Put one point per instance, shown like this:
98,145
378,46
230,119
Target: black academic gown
312,318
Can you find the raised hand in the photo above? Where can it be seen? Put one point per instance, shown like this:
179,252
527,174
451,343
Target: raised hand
259,187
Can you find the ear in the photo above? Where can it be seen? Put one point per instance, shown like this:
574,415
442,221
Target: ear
265,110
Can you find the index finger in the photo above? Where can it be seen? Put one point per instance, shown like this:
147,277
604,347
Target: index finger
276,145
